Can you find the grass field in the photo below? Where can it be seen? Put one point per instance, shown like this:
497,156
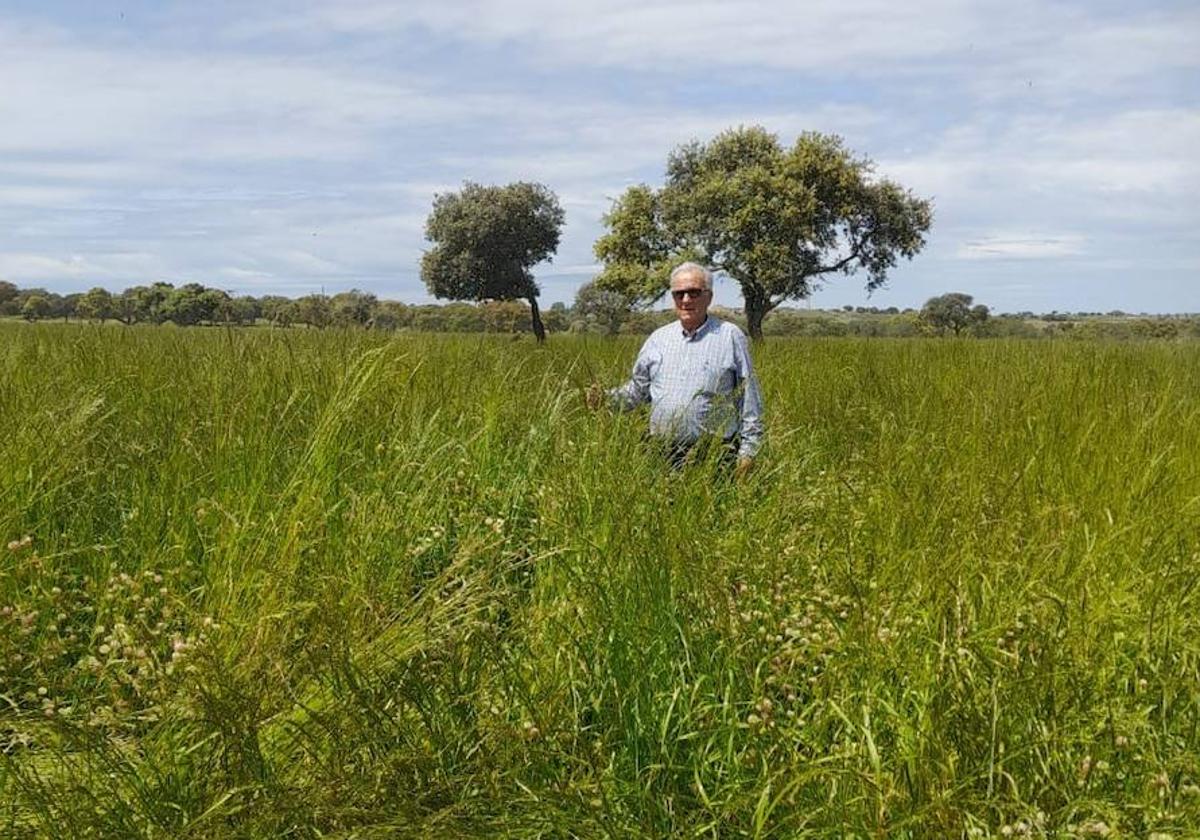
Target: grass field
301,584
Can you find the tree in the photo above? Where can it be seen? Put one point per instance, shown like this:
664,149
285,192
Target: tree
600,310
124,307
216,305
186,305
35,306
144,303
502,316
96,304
313,310
778,221
486,240
8,297
63,306
953,312
558,317
352,308
390,315
242,310
277,309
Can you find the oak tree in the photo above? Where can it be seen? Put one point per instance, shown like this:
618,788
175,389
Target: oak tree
953,312
486,240
778,221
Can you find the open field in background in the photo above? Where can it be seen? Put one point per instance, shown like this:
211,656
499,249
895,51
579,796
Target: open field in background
300,584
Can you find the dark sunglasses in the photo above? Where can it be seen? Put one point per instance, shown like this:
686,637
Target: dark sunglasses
680,294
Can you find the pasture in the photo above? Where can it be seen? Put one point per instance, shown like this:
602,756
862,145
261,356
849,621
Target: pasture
285,583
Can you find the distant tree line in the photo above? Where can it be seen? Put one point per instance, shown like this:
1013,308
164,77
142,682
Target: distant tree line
595,310
779,220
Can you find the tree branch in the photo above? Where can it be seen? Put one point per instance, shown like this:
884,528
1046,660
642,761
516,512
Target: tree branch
840,264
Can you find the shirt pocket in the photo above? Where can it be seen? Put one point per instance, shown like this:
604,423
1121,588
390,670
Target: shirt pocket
717,378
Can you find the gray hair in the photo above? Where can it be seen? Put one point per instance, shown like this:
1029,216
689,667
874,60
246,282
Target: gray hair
706,276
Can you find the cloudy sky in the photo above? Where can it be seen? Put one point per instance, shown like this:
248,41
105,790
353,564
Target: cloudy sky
276,147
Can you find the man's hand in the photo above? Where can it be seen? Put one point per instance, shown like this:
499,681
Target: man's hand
744,465
594,396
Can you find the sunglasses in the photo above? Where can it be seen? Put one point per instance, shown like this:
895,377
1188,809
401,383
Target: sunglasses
680,294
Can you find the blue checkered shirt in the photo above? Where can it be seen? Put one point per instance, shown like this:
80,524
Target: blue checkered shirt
697,383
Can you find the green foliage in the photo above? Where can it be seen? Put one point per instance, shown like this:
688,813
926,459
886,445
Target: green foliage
35,307
953,312
778,221
8,293
313,310
598,310
637,252
486,240
255,592
352,308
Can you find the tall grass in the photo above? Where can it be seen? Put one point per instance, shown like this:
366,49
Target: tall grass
300,584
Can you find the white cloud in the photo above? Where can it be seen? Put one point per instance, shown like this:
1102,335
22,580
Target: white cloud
1132,165
25,268
148,106
677,34
278,150
1022,246
1006,44
42,196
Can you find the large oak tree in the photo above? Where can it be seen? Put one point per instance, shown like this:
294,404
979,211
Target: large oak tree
779,221
486,240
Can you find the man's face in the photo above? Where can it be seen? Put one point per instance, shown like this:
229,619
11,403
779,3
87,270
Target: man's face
691,300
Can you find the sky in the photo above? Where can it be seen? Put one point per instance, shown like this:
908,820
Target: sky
292,147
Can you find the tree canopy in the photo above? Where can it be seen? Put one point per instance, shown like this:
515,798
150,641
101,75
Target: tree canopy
953,312
599,310
486,240
777,221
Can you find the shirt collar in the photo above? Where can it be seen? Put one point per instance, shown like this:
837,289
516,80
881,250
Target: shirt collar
699,331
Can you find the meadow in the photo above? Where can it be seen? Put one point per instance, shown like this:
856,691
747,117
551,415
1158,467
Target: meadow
300,583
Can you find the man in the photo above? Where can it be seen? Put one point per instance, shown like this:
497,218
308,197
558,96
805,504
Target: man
697,376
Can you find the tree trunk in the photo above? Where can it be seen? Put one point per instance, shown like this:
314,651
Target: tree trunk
758,304
539,329
757,307
754,319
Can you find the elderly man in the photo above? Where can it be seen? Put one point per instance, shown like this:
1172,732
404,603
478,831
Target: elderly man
697,376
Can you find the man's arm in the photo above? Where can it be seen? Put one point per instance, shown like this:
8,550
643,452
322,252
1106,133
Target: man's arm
751,401
636,391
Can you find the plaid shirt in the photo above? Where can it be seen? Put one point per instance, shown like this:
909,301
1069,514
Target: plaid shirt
697,383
